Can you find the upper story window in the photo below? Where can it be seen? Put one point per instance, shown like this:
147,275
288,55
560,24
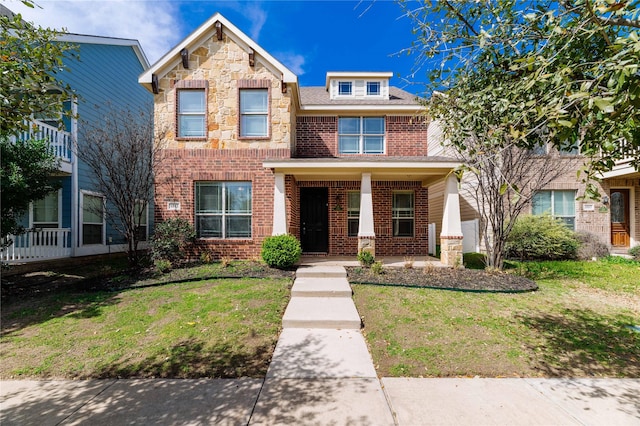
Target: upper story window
254,113
345,88
191,110
373,88
361,135
559,204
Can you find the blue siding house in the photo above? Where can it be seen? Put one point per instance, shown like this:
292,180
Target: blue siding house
66,223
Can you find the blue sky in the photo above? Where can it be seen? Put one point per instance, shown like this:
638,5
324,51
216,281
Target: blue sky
309,37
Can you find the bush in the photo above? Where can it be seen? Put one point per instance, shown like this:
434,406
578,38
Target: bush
377,268
162,265
170,239
635,252
365,258
281,251
590,246
541,238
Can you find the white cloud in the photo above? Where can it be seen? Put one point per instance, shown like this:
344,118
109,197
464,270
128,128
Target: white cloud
155,24
293,61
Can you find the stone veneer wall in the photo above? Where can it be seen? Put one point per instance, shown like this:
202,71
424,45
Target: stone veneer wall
224,66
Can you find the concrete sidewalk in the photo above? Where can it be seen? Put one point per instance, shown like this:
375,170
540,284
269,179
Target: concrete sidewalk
322,373
235,402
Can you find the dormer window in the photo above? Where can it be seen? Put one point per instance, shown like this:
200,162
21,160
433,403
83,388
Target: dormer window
345,88
373,88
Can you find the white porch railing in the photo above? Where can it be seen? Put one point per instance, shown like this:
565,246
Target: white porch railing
59,140
38,244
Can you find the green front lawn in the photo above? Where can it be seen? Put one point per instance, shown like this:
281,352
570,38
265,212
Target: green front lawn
211,328
576,324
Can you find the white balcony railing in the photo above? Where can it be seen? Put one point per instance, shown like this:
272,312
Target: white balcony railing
59,140
38,244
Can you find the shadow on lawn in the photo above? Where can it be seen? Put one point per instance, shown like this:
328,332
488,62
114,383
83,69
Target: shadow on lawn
192,359
582,342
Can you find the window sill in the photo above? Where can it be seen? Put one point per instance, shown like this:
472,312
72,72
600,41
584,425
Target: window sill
192,139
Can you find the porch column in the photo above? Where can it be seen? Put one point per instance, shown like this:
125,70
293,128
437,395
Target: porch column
451,235
366,234
279,206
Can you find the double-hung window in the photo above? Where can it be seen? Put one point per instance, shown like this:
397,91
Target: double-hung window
254,113
353,213
403,214
46,211
92,219
345,88
140,219
361,135
223,209
559,204
191,113
373,88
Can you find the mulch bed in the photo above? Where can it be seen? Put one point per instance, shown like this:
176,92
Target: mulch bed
443,278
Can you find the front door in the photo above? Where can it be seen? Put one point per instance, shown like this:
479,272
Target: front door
620,226
314,220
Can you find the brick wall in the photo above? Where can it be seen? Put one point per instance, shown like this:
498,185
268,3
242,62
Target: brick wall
181,168
340,244
317,136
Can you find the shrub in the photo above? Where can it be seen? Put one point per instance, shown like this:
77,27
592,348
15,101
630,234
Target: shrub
541,238
408,262
281,251
590,246
377,268
206,256
162,265
635,252
365,258
170,239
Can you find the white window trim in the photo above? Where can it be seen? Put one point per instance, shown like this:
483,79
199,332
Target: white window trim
267,113
552,213
350,213
146,215
366,88
362,135
223,213
32,224
342,95
104,214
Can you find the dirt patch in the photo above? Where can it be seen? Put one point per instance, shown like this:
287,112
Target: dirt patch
444,278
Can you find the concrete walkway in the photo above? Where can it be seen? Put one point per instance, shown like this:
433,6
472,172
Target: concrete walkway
322,374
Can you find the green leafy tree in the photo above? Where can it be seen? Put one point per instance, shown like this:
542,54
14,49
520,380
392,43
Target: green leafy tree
518,74
30,60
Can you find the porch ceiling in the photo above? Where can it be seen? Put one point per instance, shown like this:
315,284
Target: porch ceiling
427,170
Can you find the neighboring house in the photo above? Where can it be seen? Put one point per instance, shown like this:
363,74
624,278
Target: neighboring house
71,221
614,218
250,153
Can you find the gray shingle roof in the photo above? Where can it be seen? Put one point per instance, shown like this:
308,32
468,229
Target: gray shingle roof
320,96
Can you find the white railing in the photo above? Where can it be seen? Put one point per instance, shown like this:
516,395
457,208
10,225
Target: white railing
629,151
59,140
38,244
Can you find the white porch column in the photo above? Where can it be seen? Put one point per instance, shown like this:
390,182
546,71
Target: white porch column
451,235
366,233
279,206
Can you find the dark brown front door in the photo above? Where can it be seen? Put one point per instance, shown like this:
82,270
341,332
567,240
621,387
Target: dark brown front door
314,220
620,226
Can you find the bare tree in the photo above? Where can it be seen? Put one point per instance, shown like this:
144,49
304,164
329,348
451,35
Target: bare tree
123,152
503,182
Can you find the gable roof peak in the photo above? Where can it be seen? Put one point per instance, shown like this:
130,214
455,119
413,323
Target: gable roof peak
199,36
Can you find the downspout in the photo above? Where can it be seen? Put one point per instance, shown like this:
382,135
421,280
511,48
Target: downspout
74,177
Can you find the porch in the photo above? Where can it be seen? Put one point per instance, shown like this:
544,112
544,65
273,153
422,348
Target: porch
59,141
37,245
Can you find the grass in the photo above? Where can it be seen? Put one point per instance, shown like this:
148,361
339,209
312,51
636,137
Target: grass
576,324
203,328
